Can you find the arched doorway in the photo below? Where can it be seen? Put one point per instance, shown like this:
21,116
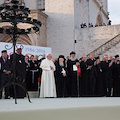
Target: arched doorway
22,39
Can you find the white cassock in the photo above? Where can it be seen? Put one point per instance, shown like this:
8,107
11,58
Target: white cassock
48,87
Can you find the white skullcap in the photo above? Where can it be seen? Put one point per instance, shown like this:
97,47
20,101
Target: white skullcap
18,47
48,54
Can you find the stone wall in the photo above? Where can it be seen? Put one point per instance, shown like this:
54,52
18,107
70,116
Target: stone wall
88,39
87,11
105,3
60,26
59,23
32,4
64,16
81,12
41,38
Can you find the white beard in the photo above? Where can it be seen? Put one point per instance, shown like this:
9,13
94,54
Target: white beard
72,59
61,64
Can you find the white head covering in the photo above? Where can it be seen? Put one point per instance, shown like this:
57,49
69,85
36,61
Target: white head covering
48,54
18,47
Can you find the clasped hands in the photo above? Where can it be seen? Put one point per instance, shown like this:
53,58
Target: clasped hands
6,71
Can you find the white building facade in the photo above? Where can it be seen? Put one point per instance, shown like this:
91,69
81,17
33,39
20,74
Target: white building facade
61,24
65,16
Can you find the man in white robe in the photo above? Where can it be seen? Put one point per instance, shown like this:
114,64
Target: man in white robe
48,87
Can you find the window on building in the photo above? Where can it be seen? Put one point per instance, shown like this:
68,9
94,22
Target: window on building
41,4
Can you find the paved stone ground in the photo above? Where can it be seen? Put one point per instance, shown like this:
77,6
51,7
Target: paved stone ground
56,103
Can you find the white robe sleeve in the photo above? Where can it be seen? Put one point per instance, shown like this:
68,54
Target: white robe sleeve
44,66
53,67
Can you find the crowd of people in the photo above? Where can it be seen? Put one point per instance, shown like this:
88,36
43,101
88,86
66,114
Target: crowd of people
84,25
61,77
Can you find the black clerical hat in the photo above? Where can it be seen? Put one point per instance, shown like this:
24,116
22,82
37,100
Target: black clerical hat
97,58
76,60
61,56
4,51
72,53
116,56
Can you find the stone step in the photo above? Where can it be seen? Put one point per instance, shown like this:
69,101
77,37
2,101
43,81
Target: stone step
33,94
107,46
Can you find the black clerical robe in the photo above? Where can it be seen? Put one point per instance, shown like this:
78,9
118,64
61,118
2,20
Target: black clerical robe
106,76
91,77
72,81
116,79
61,81
84,84
34,70
99,80
20,73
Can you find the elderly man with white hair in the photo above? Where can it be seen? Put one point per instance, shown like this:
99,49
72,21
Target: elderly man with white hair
48,87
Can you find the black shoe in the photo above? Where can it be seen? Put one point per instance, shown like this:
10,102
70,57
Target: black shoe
6,97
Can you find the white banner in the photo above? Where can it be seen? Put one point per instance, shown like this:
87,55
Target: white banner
27,49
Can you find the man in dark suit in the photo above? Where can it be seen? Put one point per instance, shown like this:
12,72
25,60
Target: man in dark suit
20,71
5,73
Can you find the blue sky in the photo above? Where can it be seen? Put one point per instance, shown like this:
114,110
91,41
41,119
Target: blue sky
114,9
